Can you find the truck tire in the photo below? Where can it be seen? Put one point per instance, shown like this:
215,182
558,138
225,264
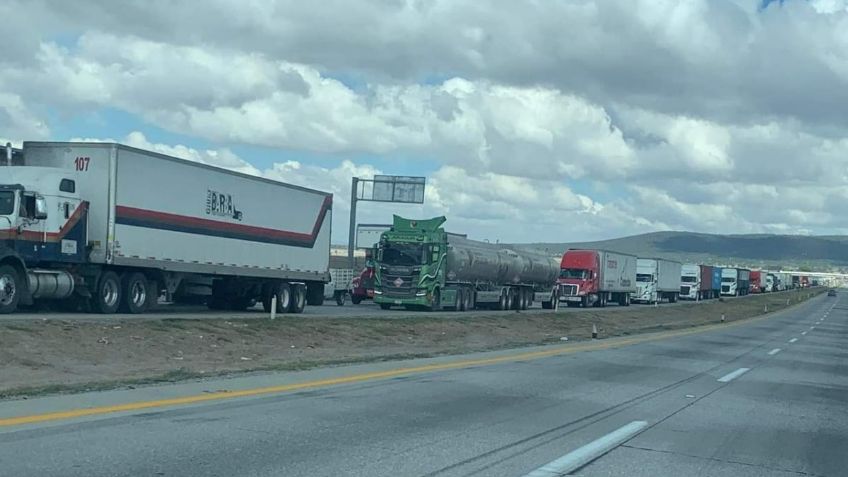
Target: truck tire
10,289
525,299
341,298
107,295
284,296
437,300
469,300
298,299
503,300
355,299
460,300
135,296
385,306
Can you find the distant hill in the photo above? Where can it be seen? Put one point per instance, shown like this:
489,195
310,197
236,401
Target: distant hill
825,253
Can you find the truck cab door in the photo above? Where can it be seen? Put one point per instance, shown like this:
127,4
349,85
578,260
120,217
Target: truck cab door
32,231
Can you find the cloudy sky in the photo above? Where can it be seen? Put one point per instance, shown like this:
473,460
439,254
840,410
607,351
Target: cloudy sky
546,120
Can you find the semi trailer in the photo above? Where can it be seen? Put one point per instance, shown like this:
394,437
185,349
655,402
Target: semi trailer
418,265
107,228
596,277
697,282
757,281
735,281
771,283
657,279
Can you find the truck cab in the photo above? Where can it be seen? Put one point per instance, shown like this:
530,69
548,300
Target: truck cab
728,282
578,277
42,221
410,262
690,282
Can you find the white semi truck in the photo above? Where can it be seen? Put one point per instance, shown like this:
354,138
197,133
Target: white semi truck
108,228
657,279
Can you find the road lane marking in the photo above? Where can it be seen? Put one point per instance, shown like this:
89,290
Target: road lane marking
803,332
812,327
774,352
731,376
793,340
589,452
360,378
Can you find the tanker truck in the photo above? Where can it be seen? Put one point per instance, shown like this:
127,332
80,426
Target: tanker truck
420,266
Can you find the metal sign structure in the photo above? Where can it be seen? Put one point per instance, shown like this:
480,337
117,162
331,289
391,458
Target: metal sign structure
382,188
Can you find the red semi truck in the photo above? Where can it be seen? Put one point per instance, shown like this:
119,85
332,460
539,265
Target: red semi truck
596,277
362,286
757,283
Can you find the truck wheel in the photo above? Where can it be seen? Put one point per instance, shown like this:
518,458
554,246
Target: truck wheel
356,299
460,300
298,299
385,306
341,297
284,296
134,296
469,300
503,301
525,299
437,300
10,287
107,296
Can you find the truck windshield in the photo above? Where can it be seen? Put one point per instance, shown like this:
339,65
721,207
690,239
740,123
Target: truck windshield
577,273
727,280
688,279
402,254
644,277
7,202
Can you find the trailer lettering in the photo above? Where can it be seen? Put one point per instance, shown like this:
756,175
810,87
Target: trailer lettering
612,264
221,205
81,163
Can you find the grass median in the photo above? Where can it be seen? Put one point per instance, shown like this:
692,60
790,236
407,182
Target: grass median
52,356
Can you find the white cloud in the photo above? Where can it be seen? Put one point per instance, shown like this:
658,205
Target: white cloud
702,115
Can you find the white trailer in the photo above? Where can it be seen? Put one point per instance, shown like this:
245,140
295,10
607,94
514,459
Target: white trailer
111,227
657,279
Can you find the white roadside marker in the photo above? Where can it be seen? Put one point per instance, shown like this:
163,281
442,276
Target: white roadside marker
591,451
731,376
774,352
793,340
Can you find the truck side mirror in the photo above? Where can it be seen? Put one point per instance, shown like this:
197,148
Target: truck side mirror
40,208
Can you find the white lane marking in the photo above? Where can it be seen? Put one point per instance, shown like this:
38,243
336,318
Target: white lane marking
812,327
793,340
803,332
774,352
591,451
731,376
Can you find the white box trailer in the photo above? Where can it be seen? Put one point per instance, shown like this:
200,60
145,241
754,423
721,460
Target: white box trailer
122,220
657,279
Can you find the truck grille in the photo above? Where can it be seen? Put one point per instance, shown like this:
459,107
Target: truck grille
569,290
400,283
725,288
684,290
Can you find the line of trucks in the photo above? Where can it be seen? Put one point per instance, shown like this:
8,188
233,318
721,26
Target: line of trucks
108,228
420,266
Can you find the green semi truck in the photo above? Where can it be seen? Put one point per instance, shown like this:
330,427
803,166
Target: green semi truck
420,266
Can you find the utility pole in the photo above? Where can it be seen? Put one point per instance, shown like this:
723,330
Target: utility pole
354,186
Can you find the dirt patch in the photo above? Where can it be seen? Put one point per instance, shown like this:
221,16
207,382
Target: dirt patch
64,355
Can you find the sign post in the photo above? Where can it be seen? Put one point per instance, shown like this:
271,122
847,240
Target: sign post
382,188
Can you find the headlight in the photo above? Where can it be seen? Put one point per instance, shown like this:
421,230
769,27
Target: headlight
378,292
421,293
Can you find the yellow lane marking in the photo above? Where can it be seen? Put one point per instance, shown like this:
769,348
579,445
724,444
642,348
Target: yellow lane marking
358,378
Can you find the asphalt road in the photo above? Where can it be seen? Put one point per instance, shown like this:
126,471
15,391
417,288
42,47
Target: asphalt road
767,397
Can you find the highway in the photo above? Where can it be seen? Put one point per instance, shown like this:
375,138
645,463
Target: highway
766,397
